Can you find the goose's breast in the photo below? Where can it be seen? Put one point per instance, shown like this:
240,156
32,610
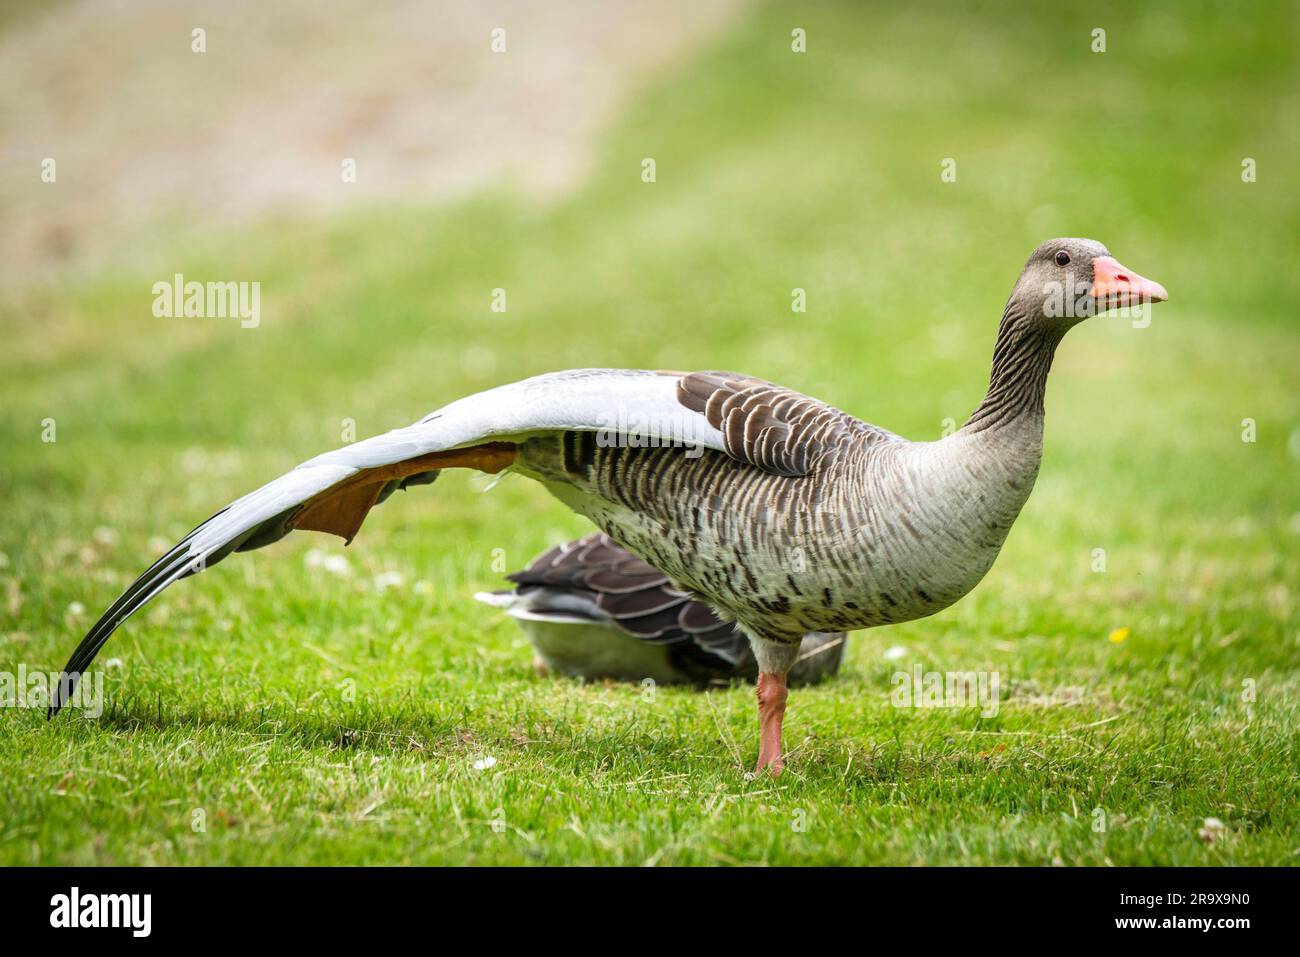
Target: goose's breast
913,528
943,512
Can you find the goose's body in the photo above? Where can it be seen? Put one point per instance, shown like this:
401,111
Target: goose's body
779,511
593,610
879,531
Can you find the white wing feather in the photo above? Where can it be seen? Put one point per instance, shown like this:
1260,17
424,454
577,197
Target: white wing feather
613,400
617,400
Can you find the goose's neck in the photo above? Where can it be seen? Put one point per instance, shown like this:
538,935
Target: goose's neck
1022,357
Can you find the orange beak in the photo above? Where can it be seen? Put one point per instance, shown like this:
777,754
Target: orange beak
1115,285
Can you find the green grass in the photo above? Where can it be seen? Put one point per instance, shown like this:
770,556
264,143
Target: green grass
315,718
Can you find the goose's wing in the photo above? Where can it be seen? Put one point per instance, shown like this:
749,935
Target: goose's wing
334,492
767,425
634,595
594,580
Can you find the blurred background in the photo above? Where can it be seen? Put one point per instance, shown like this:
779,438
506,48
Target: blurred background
479,169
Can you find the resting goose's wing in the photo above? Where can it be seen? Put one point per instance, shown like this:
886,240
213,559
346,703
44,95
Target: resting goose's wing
770,426
334,492
634,595
593,580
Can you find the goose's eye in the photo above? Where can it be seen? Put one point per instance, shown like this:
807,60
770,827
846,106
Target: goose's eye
1062,258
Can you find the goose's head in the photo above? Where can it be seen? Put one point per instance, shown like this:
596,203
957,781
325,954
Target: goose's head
1064,282
1068,280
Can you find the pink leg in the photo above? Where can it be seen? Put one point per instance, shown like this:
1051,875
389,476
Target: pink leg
771,709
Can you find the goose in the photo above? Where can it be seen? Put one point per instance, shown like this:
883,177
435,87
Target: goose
593,610
782,513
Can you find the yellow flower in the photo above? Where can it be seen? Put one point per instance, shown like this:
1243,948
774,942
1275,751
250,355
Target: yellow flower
1118,635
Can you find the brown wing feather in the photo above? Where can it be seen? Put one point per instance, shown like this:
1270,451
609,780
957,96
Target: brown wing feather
638,597
341,509
767,425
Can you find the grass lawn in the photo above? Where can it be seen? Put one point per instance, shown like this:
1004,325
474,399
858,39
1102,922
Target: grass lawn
287,709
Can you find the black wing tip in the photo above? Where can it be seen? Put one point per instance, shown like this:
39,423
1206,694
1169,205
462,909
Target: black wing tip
161,573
